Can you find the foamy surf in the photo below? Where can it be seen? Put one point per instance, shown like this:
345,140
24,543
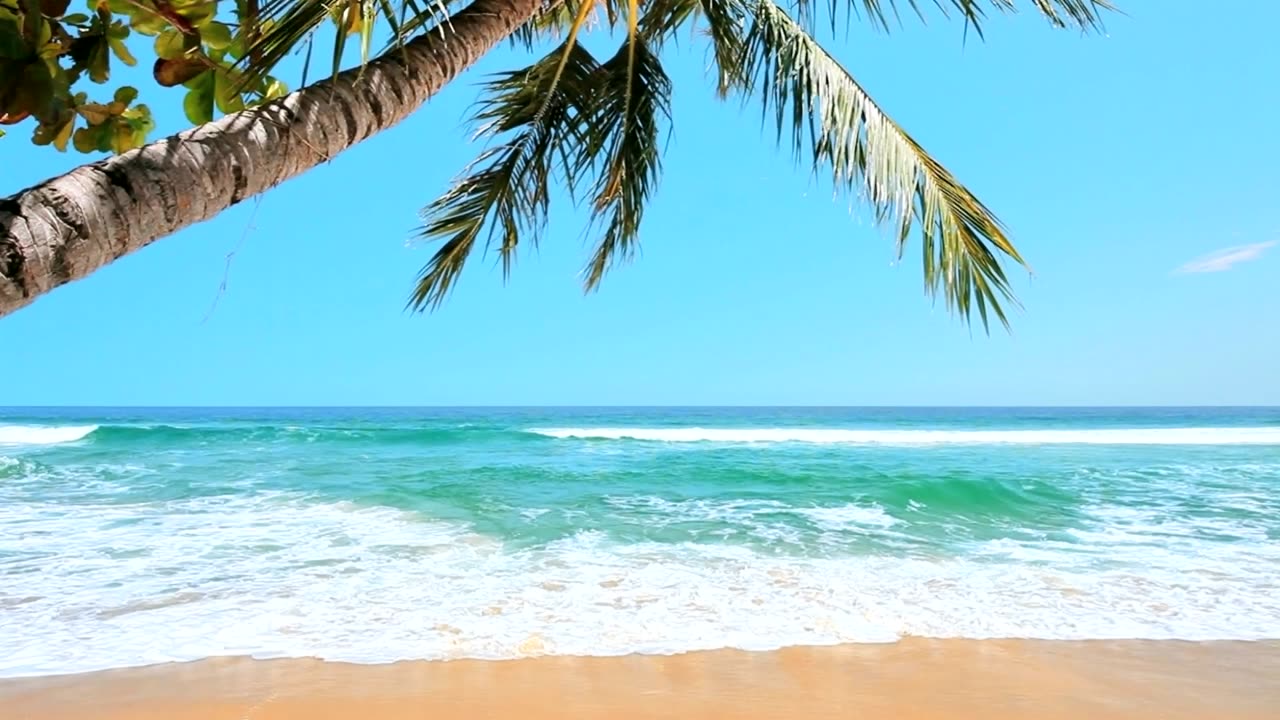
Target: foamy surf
1115,436
288,577
39,435
378,535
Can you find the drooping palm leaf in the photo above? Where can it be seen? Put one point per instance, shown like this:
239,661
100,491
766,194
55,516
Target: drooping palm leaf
289,24
610,121
824,111
882,14
725,20
537,109
599,121
662,18
632,102
556,19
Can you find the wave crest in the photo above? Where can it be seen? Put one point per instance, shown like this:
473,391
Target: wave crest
40,435
1108,436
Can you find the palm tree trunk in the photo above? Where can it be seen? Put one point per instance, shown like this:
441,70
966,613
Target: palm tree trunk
67,227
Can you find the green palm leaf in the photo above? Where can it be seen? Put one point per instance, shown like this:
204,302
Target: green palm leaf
289,24
632,102
883,14
821,107
604,121
538,110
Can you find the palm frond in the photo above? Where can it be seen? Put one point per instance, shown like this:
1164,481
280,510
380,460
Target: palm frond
538,109
725,22
415,17
554,22
1086,15
288,24
614,10
622,133
820,106
662,18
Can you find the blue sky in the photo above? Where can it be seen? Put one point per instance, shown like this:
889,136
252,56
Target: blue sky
1120,163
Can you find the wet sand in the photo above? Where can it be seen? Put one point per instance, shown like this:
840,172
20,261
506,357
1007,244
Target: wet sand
910,680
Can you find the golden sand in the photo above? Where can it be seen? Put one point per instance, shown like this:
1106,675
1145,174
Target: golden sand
910,680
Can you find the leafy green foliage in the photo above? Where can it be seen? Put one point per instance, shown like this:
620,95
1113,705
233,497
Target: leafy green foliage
821,106
566,118
602,126
51,57
622,134
539,112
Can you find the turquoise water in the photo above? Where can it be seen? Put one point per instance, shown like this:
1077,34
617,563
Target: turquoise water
130,537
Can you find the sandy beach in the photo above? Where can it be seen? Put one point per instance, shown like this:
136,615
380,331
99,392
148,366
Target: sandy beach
913,679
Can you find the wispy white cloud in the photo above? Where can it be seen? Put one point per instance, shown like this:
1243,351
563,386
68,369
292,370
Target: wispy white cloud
1226,258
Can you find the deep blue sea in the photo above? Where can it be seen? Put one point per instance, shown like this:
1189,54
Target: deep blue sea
138,536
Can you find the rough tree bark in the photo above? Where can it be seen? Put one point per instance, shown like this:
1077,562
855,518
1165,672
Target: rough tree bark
67,227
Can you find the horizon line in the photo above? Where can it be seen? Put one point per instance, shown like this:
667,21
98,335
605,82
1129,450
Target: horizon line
639,407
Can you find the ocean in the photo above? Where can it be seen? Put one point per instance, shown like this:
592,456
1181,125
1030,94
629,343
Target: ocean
137,536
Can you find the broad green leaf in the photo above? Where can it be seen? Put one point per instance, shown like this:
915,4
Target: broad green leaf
118,30
170,44
146,22
236,49
139,115
83,140
56,134
43,135
199,13
89,139
139,118
75,19
99,61
64,134
216,35
226,95
121,138
121,51
198,105
200,82
125,95
44,33
274,89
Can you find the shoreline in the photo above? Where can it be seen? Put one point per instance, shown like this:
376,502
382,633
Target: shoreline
914,679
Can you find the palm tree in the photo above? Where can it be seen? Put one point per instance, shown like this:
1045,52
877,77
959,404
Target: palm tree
590,124
69,226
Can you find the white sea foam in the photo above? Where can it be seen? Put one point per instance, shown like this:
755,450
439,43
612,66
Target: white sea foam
850,515
281,575
42,435
754,514
1113,436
